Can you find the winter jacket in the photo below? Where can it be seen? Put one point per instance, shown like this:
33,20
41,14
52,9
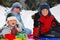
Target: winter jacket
46,23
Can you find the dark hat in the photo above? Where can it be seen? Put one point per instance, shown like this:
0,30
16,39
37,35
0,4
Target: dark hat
44,6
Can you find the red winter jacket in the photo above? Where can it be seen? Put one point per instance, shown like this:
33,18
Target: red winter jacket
46,23
11,36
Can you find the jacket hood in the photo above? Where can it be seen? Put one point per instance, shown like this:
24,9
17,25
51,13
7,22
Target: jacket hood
44,6
16,5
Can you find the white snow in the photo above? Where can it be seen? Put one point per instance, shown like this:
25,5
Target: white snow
26,16
56,12
2,16
27,19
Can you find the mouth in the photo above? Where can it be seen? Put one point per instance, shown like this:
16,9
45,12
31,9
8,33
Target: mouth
13,23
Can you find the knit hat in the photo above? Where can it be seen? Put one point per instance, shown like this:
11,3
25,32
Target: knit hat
44,6
12,17
17,5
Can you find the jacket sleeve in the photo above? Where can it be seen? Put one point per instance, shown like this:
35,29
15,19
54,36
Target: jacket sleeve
36,17
55,22
56,26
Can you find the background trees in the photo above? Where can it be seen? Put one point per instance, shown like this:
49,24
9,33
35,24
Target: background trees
29,4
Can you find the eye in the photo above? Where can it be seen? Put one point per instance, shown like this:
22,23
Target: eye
14,20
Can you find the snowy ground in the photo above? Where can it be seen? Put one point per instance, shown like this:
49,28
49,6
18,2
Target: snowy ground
26,16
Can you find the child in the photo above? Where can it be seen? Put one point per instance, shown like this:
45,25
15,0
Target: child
12,26
43,21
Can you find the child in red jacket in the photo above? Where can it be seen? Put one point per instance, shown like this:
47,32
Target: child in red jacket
43,21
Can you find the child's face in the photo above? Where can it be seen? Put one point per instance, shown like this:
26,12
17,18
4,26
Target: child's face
17,10
44,12
12,23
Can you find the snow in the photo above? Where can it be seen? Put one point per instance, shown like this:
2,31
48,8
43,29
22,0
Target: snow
2,16
56,12
26,16
27,19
